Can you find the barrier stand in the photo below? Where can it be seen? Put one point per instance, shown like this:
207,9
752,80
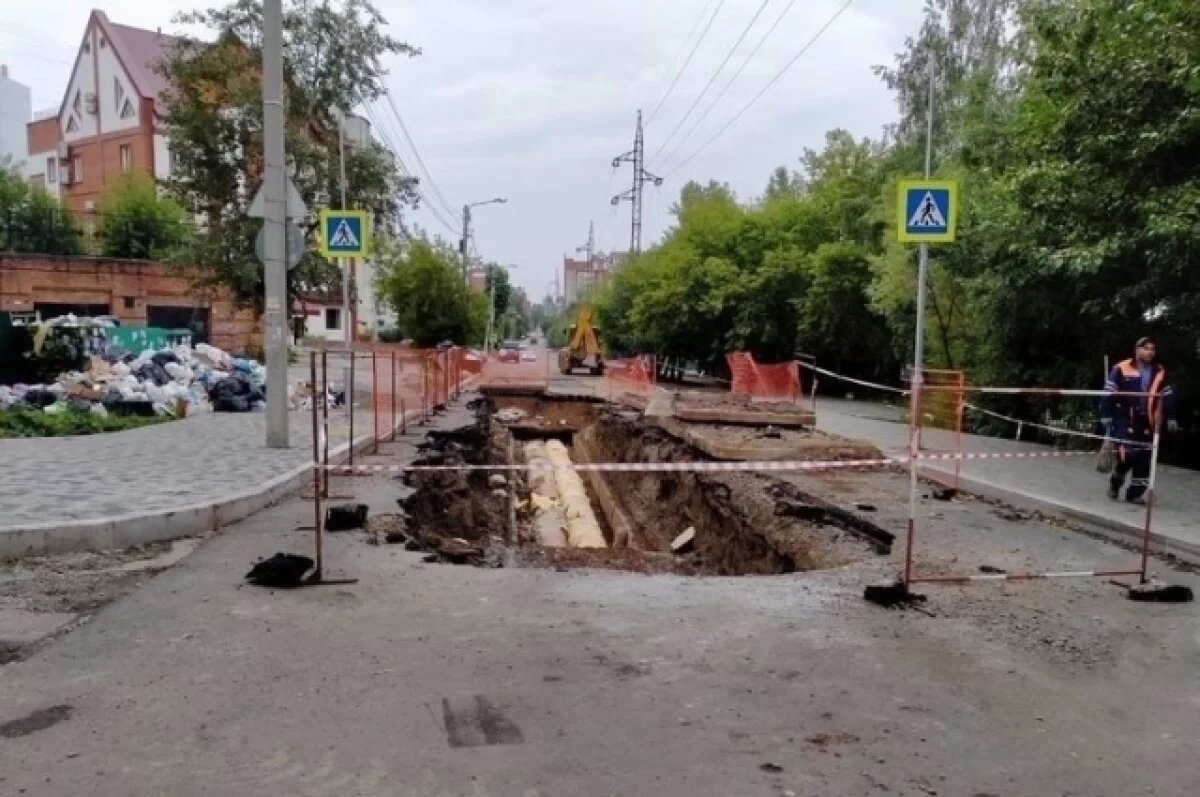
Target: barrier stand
350,397
807,361
393,435
374,400
325,418
316,442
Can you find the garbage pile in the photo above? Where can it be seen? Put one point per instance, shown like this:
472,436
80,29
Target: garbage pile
178,380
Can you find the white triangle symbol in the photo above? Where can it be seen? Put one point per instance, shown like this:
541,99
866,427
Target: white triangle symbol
928,214
344,237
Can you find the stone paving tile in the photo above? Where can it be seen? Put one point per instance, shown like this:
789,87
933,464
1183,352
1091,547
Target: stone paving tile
200,459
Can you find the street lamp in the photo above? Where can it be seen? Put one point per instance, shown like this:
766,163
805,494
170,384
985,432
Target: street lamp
466,235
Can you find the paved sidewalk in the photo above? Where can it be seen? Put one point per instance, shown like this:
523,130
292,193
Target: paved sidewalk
58,492
1069,485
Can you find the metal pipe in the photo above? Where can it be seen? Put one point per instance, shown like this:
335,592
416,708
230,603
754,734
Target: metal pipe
374,399
1149,506
325,418
393,436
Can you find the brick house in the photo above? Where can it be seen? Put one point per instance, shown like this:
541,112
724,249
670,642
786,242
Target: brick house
110,120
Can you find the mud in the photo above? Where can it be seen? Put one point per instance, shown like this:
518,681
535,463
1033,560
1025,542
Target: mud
745,524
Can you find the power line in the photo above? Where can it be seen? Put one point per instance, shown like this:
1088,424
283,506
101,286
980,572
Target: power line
417,154
636,156
686,61
390,142
762,7
765,88
725,88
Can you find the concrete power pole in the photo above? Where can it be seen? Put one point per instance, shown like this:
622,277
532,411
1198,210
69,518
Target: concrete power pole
466,236
275,212
636,156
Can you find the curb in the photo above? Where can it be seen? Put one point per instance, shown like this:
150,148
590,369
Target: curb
1106,527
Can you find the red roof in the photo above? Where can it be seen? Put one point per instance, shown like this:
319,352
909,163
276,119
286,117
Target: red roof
140,51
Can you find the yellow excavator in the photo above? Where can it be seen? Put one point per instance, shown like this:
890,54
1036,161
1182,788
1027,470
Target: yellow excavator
583,346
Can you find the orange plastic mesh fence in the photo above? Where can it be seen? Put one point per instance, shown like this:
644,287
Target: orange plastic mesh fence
777,381
633,375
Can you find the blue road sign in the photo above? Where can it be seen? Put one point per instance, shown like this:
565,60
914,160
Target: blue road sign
344,233
927,211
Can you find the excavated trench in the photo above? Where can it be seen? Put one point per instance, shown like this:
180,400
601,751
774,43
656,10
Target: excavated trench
709,523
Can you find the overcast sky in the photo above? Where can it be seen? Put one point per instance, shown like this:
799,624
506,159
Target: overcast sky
531,100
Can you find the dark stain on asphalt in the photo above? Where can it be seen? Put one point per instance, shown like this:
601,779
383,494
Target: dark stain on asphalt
36,721
478,722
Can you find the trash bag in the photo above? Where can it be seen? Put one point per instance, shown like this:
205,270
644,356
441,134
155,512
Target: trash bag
153,372
161,358
1106,457
344,517
283,570
39,398
231,404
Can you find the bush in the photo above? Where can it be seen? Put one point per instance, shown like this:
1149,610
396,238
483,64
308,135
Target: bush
35,423
137,223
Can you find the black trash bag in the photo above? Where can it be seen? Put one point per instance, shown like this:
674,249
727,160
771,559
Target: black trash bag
344,517
39,398
154,372
161,358
231,404
283,571
140,407
230,386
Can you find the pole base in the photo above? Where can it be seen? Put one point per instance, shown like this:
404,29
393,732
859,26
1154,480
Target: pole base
891,594
1154,591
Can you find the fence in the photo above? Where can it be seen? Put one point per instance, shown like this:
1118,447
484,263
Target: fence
767,381
633,375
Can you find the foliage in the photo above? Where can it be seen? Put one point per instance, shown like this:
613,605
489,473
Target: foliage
332,62
422,282
33,221
1072,129
69,422
137,223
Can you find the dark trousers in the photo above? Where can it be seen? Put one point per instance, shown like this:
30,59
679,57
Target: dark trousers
1135,458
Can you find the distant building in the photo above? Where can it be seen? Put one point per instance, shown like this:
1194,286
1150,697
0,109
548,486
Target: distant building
579,275
16,109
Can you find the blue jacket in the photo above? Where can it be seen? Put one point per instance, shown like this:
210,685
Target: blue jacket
1138,414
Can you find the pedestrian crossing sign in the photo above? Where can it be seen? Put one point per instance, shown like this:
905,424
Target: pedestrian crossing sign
344,233
927,211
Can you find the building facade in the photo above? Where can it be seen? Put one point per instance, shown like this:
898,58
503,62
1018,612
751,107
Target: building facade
16,109
579,275
110,120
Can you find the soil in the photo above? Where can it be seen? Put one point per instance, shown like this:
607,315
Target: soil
75,582
719,400
744,524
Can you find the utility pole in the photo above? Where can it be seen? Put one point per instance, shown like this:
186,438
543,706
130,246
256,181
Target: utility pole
275,212
462,245
636,156
918,377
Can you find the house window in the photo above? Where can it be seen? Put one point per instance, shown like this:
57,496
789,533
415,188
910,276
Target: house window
130,302
127,110
126,158
118,94
333,318
77,169
51,170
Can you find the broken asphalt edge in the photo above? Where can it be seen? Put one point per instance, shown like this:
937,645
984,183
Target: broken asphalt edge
126,531
1109,528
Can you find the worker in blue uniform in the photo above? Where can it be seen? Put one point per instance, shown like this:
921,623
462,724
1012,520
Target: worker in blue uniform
1131,420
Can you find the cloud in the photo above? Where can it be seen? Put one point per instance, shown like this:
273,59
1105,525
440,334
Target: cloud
531,99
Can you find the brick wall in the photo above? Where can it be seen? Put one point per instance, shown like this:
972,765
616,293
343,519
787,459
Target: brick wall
127,287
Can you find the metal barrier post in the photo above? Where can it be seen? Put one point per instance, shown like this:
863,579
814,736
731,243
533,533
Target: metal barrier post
1149,505
316,443
425,387
393,436
325,421
374,400
403,419
350,403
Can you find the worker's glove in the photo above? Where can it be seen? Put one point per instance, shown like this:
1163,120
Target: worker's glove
1173,426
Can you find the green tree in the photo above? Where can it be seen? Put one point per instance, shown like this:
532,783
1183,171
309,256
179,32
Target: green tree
421,281
138,223
33,221
333,55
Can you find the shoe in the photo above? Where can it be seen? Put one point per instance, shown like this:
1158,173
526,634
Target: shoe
1113,491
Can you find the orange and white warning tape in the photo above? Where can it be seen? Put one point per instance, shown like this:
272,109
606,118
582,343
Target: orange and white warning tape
1055,429
709,466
